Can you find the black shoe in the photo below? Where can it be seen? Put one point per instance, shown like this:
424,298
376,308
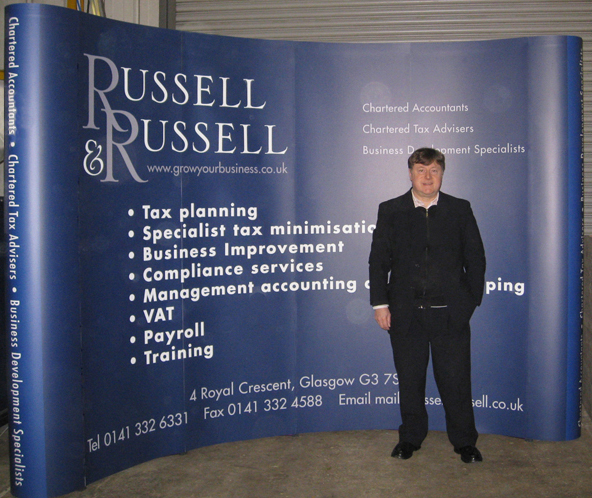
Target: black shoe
404,450
469,454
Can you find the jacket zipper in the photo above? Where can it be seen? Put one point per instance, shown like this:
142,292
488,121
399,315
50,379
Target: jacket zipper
426,252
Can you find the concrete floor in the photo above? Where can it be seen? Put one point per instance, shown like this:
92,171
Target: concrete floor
354,464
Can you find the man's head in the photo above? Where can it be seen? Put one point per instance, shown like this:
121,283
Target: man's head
426,156
426,169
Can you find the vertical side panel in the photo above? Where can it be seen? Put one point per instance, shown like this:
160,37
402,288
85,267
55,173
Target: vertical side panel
575,239
548,234
41,223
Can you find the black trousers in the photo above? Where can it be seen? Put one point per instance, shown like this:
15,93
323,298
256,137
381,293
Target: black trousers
451,360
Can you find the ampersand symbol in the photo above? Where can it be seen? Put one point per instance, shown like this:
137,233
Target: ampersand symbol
93,164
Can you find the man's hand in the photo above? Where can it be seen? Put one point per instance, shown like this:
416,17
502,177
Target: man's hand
383,318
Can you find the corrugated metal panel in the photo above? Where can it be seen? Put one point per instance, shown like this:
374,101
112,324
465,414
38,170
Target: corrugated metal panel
403,20
145,12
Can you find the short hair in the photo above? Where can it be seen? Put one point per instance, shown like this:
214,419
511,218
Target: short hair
427,156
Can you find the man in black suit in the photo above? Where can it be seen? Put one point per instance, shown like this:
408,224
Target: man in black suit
427,271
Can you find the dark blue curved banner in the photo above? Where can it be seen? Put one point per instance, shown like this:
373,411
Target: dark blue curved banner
189,220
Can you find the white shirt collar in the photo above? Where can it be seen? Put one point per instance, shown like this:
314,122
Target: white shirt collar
418,203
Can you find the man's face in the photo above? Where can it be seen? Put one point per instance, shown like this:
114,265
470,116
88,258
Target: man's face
426,180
